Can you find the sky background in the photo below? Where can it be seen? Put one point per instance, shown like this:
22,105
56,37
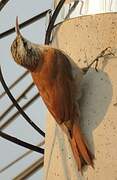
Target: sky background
35,33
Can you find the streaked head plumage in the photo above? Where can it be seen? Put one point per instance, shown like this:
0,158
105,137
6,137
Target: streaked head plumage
23,50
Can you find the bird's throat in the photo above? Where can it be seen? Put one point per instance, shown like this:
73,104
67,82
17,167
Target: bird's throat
29,59
30,62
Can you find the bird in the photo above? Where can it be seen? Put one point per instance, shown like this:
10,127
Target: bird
58,80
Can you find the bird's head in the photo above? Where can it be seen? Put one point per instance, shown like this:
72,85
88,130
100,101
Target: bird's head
23,51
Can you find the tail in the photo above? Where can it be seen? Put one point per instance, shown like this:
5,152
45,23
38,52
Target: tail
79,148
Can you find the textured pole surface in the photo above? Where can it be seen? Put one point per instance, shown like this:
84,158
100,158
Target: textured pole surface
83,38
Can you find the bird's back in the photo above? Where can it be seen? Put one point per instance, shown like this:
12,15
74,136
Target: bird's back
56,84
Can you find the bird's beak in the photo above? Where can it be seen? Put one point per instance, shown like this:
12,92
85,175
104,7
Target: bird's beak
17,27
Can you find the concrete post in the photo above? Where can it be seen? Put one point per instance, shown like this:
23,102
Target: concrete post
83,38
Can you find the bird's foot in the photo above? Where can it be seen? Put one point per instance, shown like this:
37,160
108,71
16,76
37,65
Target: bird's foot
105,53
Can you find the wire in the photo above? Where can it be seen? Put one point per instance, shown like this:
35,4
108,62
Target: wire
30,170
24,24
20,158
18,100
3,3
72,8
15,82
18,107
21,143
52,21
17,113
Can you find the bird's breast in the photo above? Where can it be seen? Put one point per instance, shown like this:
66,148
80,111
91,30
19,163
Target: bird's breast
45,75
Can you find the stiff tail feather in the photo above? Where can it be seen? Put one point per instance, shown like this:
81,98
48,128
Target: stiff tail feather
81,153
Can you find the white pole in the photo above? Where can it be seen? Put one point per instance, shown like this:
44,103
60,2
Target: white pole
83,38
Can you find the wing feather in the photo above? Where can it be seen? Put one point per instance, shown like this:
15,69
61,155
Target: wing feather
62,89
55,83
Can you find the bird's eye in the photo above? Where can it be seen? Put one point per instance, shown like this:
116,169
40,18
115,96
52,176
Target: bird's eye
25,44
29,51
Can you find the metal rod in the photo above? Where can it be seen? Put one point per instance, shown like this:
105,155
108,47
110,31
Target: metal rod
3,126
21,143
24,24
18,100
15,82
3,3
20,157
18,107
30,170
52,21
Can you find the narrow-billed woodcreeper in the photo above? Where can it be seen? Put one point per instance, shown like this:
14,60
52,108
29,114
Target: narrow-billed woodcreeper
57,78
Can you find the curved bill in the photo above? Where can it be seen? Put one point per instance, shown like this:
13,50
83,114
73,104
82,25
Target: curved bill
17,27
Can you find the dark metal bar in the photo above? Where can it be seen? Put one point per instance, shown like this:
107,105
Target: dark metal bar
3,3
52,21
24,24
15,82
72,9
18,100
21,143
20,158
17,113
18,107
30,170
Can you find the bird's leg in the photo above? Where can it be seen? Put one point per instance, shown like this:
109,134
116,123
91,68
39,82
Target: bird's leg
103,54
86,69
